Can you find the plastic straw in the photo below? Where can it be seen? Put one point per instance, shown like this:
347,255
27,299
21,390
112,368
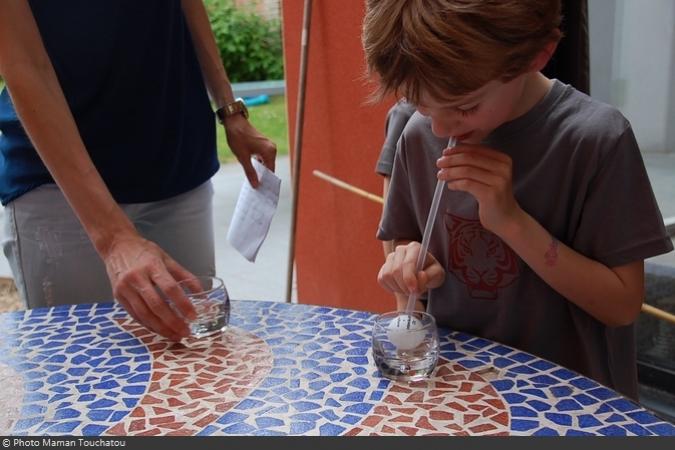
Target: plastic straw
433,211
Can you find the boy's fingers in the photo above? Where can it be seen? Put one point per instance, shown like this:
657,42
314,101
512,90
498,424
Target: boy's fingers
409,267
434,276
471,173
399,268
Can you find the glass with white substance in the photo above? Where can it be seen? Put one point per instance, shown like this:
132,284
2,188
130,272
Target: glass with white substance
405,346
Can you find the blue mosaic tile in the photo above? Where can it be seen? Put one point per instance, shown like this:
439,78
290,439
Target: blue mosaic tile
662,429
612,430
503,385
622,405
321,382
583,383
501,362
546,432
578,433
470,364
524,425
602,393
513,398
523,411
568,405
560,419
637,430
536,392
93,430
539,405
239,428
588,421
584,399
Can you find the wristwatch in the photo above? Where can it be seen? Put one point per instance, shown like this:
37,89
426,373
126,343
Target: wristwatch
236,107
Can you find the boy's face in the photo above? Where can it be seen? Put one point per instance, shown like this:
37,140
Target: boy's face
470,118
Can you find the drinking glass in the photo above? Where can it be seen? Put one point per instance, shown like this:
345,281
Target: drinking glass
405,346
211,302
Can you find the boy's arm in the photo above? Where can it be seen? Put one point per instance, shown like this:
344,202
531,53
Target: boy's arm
611,295
243,138
133,264
388,247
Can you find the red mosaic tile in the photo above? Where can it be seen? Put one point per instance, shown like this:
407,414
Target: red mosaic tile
161,420
185,381
383,410
423,422
371,421
409,431
441,415
392,400
399,388
482,428
136,425
402,419
447,406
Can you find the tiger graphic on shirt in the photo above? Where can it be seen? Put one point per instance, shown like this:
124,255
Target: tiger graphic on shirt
479,258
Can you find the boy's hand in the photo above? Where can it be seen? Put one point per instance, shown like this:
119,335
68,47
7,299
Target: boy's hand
486,174
398,273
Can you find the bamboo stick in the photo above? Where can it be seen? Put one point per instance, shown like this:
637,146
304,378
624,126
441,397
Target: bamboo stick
658,313
647,309
348,187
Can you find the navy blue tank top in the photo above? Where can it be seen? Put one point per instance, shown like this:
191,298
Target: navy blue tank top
131,77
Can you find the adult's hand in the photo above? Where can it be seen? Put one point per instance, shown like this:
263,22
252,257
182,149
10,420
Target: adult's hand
246,141
140,271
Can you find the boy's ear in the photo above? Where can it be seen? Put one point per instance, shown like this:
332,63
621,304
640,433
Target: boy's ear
542,58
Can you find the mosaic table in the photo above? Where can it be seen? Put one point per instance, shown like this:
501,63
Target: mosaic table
281,369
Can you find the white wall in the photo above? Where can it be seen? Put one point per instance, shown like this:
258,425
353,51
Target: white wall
632,49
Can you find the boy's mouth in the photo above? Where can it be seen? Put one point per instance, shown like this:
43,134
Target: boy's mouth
464,136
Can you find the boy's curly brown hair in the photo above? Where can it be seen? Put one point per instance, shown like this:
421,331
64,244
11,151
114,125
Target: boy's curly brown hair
449,48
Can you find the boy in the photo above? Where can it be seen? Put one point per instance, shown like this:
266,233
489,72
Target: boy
549,214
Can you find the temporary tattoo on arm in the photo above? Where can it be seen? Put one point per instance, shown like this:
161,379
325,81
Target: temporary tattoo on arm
551,255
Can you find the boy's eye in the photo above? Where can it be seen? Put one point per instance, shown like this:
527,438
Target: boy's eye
468,111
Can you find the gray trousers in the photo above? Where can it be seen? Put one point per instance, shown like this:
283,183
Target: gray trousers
54,262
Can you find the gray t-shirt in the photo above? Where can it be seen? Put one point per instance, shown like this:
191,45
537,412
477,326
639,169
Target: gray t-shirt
397,117
578,171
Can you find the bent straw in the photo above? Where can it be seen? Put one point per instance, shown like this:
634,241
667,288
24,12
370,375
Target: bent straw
646,309
433,211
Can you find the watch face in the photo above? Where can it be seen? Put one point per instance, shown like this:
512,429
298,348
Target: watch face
236,107
241,107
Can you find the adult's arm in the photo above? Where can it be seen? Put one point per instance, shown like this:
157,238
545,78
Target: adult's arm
134,265
243,138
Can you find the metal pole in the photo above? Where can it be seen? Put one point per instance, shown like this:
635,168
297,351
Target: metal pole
297,148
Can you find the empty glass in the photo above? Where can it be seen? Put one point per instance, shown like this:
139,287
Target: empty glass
405,346
211,303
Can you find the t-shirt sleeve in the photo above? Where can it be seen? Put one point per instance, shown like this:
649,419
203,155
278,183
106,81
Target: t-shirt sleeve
620,221
398,216
397,117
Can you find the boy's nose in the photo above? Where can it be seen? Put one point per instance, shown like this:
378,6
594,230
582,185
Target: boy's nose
444,128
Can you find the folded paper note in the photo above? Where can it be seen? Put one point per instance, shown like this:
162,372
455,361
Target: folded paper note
254,212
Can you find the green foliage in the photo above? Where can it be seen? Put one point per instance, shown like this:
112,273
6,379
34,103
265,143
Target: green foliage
250,45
